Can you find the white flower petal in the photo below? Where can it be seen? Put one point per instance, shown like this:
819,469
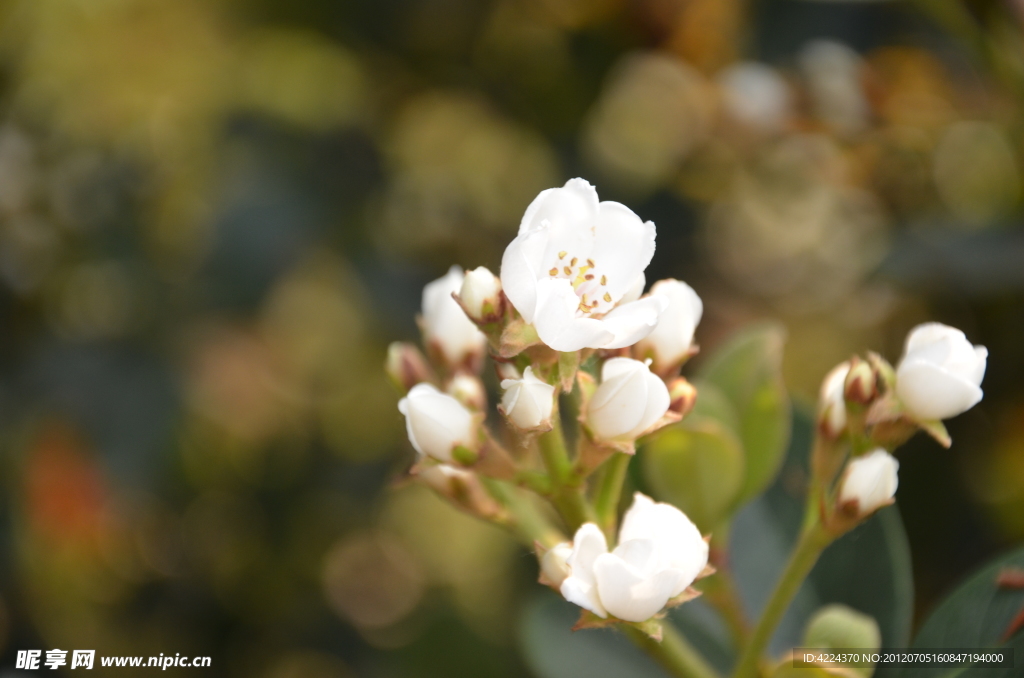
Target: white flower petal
871,480
435,422
627,595
680,543
583,594
617,407
832,397
635,291
623,246
444,321
673,336
556,321
658,401
930,392
629,323
940,373
574,206
580,587
521,268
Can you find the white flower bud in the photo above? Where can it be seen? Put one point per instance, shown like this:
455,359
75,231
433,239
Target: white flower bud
628,402
481,294
469,391
554,566
832,406
672,338
940,373
660,553
436,422
871,481
446,329
528,401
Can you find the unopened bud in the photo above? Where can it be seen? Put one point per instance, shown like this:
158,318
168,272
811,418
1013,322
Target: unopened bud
682,396
469,391
528,402
861,385
461,487
870,482
406,366
554,566
481,295
831,403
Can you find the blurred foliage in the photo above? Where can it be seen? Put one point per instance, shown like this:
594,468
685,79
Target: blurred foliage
214,214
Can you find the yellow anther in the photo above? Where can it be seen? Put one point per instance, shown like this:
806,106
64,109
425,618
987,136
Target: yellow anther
553,271
568,271
574,260
604,280
608,297
590,263
561,255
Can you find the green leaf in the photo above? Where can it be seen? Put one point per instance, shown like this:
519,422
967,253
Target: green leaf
696,466
868,569
748,372
975,615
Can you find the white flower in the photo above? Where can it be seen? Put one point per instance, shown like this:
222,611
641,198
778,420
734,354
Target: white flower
480,293
436,423
571,265
445,325
831,402
660,553
554,564
940,373
528,401
672,338
628,402
871,481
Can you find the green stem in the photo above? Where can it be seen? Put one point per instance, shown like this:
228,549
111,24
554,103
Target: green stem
609,492
527,522
813,540
554,452
674,652
566,495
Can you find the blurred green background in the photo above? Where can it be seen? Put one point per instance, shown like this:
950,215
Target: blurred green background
215,214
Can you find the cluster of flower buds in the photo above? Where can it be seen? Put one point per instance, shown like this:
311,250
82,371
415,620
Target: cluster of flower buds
568,315
867,409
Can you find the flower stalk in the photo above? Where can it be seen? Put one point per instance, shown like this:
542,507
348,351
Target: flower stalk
813,540
673,652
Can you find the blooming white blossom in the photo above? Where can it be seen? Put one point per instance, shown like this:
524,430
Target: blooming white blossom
629,400
436,422
871,481
528,401
831,401
554,564
672,338
480,293
660,553
940,373
571,266
445,325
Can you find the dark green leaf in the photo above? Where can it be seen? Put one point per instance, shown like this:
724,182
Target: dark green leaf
748,372
697,466
976,615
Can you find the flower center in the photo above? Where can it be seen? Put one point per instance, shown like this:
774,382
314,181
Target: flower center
590,284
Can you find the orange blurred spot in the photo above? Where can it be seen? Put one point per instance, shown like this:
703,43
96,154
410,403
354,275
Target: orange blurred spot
64,488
